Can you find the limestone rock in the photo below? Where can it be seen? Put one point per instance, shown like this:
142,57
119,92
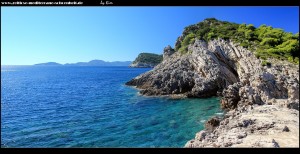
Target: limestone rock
260,101
168,51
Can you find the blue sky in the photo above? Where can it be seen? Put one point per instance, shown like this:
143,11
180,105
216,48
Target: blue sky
31,35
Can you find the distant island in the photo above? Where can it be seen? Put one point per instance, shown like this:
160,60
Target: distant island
90,63
147,60
49,64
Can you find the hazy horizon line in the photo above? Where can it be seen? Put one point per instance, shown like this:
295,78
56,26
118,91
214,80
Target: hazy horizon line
64,63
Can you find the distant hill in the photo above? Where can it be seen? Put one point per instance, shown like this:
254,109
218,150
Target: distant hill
49,64
147,60
100,63
90,63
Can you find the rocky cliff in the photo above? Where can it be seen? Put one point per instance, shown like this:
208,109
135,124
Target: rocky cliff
223,68
261,100
208,69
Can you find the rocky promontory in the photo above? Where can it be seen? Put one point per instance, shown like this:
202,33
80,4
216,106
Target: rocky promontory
261,101
146,60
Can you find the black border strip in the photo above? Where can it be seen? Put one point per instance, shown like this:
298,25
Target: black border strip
147,150
149,3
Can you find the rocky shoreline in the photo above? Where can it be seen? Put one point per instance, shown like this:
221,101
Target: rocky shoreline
142,65
262,101
258,126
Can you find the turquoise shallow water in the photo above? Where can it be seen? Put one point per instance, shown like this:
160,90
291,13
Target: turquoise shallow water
57,106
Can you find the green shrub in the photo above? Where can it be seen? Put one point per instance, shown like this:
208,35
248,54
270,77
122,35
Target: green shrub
265,41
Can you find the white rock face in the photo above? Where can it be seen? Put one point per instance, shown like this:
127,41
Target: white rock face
210,68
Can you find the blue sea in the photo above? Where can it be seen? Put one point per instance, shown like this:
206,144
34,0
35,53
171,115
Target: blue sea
57,106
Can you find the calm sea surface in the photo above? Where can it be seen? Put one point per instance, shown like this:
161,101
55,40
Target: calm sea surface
56,106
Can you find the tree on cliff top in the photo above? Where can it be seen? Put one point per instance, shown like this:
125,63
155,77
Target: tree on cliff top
265,41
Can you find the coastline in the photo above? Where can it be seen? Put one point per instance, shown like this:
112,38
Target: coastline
252,93
258,126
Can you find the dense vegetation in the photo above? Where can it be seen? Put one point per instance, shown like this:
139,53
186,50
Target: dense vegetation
265,41
149,58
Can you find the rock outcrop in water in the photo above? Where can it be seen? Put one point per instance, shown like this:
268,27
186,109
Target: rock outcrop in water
224,68
209,69
262,101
